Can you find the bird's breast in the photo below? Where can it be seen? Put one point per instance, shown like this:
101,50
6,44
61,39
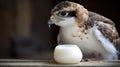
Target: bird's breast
85,39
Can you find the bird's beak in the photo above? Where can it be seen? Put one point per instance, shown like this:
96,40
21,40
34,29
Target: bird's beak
51,21
54,20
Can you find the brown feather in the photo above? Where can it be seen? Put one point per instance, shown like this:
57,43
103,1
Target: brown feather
106,26
82,15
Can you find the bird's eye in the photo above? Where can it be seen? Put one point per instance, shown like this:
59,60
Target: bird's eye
63,14
67,14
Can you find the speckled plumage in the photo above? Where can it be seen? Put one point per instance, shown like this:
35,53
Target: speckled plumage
92,32
107,27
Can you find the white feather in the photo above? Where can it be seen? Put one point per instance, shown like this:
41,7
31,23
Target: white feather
106,44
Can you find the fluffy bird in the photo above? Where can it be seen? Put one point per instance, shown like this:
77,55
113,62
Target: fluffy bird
95,34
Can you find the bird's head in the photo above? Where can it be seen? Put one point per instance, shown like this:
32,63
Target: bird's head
68,13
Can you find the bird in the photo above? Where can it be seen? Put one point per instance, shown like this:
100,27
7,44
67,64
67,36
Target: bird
95,34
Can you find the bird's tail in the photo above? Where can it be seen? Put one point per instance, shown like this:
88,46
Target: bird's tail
117,42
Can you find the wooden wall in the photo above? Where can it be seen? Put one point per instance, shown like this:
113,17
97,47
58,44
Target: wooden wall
7,25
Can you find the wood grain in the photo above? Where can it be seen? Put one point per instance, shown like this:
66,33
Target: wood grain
47,63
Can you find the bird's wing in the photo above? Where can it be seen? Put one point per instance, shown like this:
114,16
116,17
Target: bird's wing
98,17
106,27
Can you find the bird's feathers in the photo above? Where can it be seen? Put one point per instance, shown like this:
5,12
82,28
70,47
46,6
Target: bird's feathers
105,42
105,26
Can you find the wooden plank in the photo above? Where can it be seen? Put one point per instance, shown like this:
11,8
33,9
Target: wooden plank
7,26
47,63
23,17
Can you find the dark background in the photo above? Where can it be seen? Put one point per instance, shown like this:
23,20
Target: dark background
24,32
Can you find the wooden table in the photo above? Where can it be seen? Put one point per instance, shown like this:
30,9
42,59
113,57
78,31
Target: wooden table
47,63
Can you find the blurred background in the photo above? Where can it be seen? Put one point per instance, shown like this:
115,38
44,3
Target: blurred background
24,32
